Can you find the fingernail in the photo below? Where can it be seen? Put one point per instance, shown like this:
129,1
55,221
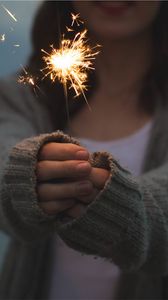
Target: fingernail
82,154
83,167
84,187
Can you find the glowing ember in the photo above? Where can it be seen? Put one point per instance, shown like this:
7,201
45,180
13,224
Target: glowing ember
2,37
9,13
69,29
26,79
76,18
70,63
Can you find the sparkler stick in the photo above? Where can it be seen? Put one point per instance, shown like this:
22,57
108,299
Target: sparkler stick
9,13
69,64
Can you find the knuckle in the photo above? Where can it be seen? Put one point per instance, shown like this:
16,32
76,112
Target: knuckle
48,208
41,166
65,169
69,190
55,207
41,191
74,148
44,151
70,168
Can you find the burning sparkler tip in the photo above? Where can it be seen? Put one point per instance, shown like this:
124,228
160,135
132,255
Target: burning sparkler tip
69,64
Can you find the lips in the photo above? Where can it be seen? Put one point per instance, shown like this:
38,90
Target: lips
114,7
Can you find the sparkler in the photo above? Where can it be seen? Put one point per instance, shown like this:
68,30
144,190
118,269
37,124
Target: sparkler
9,13
70,63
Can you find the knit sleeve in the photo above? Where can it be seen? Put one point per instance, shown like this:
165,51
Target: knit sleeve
127,223
22,215
21,116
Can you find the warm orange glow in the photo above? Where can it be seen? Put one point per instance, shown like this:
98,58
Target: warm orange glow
70,63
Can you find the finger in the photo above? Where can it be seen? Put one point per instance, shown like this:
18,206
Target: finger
89,198
55,207
77,210
52,192
99,177
47,170
62,151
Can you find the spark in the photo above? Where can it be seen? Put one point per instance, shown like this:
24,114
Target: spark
11,15
16,45
69,29
2,37
26,79
75,18
69,64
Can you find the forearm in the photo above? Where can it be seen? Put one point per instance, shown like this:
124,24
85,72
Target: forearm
121,224
20,207
127,223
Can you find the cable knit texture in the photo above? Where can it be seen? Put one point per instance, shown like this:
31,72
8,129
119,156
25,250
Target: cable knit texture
126,223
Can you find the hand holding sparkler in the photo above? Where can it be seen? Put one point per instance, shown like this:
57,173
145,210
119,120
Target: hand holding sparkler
66,181
98,178
62,174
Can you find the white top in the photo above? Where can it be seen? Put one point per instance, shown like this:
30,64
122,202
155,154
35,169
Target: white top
76,276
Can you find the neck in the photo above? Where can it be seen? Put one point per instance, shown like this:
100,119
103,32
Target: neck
121,67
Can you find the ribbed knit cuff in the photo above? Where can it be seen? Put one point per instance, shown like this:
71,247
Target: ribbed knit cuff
20,185
114,225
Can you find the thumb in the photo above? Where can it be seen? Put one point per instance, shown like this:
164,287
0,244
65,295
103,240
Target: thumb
99,177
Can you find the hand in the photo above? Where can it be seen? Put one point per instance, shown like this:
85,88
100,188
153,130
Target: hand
63,174
98,177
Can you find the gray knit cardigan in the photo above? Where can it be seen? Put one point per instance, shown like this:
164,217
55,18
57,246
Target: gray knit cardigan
126,224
